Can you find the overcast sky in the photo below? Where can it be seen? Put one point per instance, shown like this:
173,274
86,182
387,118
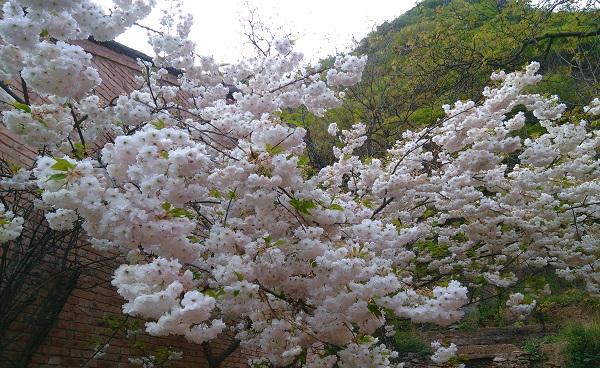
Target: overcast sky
321,27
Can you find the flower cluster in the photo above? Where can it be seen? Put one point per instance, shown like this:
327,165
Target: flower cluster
348,70
443,354
10,225
517,306
61,219
203,186
39,125
59,68
161,290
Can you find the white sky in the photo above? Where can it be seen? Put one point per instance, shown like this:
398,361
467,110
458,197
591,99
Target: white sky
320,27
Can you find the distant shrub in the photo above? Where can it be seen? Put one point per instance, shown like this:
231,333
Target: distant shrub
406,343
532,347
583,345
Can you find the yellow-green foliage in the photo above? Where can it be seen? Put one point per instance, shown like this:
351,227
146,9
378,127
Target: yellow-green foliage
583,345
445,50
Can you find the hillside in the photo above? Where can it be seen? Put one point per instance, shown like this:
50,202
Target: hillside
445,50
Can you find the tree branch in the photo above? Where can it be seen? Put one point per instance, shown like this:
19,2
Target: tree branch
7,89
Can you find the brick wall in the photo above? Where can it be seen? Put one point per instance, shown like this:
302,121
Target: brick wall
82,322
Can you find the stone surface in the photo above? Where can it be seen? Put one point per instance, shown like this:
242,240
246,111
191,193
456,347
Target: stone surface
553,354
496,347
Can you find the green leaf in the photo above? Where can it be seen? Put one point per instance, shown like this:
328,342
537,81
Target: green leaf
239,276
14,168
397,223
180,212
79,150
264,171
336,207
215,193
196,275
193,238
535,130
175,212
303,160
159,124
331,349
428,213
139,345
367,203
21,106
114,322
279,242
273,151
365,339
62,165
39,120
44,33
162,354
374,309
60,176
215,293
164,154
302,205
231,195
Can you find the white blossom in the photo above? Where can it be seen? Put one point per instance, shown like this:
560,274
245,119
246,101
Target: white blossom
443,354
225,231
10,225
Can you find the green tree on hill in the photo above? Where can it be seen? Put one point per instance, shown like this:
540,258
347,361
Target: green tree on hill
444,50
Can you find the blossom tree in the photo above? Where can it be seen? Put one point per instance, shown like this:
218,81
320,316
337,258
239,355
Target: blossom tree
227,231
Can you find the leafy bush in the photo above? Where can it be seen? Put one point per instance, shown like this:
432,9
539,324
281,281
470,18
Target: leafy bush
407,343
583,345
532,347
